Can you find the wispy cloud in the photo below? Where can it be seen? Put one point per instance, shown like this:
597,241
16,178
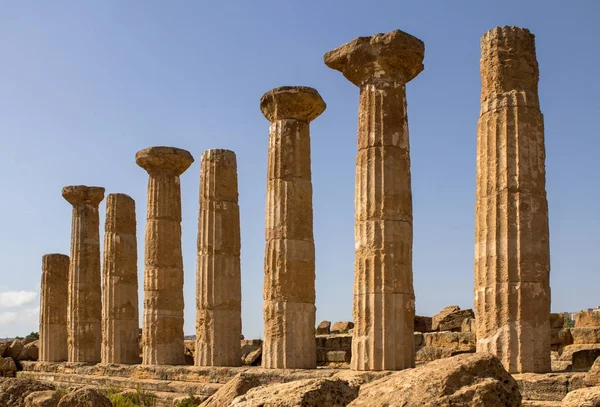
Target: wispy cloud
15,299
26,315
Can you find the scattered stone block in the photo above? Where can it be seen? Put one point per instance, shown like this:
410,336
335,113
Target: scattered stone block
8,368
587,397
422,324
30,351
14,391
342,327
468,325
454,321
251,352
557,320
461,381
587,319
45,398
585,335
14,349
324,328
85,397
584,359
435,321
592,378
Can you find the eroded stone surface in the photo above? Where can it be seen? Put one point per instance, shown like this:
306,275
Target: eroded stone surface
53,308
460,381
120,322
85,397
587,319
84,310
162,336
289,285
588,397
592,378
512,262
218,279
383,308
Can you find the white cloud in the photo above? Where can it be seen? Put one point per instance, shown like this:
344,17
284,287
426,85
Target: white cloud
25,315
13,299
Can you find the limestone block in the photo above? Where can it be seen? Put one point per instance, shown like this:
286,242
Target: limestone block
85,397
324,328
14,391
557,320
584,359
569,350
8,368
454,321
587,319
54,298
468,325
561,337
341,327
435,320
423,324
464,380
15,348
45,398
251,352
451,340
588,397
585,335
30,351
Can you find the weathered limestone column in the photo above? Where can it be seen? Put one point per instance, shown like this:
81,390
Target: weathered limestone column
162,333
219,286
84,315
384,301
53,308
120,318
512,254
289,287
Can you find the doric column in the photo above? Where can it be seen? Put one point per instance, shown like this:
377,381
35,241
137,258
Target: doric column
53,308
120,318
512,254
162,334
384,301
289,287
84,313
218,286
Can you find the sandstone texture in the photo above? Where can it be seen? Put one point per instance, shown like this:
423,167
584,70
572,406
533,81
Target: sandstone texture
30,351
54,295
289,281
384,301
8,368
592,377
547,387
423,324
45,398
587,319
454,321
584,359
238,386
14,391
512,259
300,393
324,328
585,335
251,352
218,278
120,317
461,381
588,397
162,335
435,320
342,327
85,397
84,308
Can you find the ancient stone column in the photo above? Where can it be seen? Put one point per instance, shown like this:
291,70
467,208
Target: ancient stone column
512,254
219,286
289,287
384,301
120,318
162,334
53,308
85,301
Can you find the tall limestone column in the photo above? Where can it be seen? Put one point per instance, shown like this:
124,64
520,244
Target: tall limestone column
120,318
512,254
84,313
289,287
162,334
218,286
53,308
384,301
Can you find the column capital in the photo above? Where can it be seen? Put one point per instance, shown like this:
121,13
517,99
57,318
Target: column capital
292,102
83,195
171,160
394,56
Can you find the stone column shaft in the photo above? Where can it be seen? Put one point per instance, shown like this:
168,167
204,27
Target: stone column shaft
289,287
162,334
219,287
384,301
120,319
85,300
53,308
512,255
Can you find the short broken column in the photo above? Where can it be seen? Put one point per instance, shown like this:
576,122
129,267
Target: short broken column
85,299
384,300
218,285
512,252
53,308
120,318
162,332
289,286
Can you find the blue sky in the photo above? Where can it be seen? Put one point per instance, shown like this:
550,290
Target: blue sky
84,85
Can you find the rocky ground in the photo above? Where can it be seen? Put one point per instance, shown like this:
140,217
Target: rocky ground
448,373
